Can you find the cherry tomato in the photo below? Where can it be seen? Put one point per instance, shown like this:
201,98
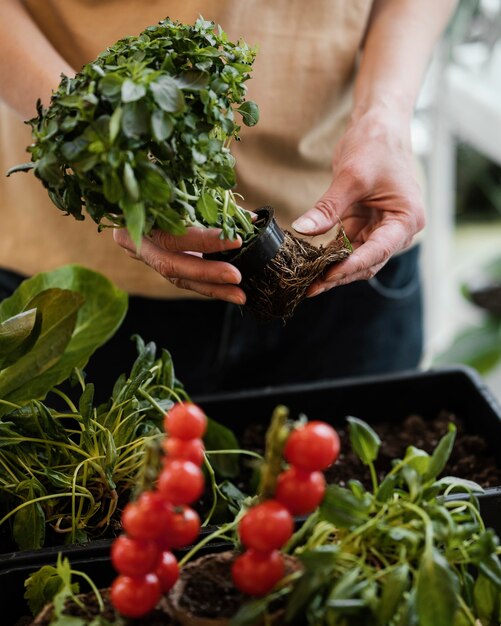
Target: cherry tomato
148,517
187,449
186,421
134,557
181,482
266,526
135,596
167,570
256,573
299,491
312,447
184,528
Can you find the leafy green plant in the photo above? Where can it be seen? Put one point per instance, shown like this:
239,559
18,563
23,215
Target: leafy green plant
410,551
53,323
140,137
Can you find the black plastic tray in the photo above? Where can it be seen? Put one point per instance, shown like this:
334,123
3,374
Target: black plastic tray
459,390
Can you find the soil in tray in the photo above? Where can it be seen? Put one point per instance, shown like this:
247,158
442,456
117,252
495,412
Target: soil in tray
470,458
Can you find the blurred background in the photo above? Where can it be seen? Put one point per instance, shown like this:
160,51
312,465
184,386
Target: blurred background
457,136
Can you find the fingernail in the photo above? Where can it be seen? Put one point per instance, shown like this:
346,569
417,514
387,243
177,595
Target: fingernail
237,300
317,292
304,225
337,278
229,277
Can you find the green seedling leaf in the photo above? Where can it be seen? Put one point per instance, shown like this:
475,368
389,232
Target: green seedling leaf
441,454
41,587
249,112
167,94
17,336
487,599
28,529
395,584
342,508
218,437
208,208
364,440
436,592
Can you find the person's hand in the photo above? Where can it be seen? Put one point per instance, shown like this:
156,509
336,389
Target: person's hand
179,260
374,193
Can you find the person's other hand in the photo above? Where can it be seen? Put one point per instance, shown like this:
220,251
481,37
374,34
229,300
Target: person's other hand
374,193
179,260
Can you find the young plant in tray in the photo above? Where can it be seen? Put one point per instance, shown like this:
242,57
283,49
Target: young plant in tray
140,138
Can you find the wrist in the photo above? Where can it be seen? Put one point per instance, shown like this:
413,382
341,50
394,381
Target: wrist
382,109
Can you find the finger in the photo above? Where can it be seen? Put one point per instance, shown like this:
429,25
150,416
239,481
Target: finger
227,293
195,240
343,192
188,266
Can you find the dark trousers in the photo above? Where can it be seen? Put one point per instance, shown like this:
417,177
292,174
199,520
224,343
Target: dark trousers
367,327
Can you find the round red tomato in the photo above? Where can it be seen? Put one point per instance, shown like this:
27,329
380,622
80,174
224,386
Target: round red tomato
135,596
186,449
148,517
266,526
180,482
183,530
299,491
256,573
186,421
312,447
167,570
134,557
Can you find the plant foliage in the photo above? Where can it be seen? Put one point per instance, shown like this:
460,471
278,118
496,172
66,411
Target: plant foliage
140,137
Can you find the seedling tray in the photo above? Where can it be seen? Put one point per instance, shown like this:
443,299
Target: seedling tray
459,390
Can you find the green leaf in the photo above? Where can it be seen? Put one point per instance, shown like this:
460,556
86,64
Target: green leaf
28,528
161,125
112,188
135,220
103,309
208,208
487,600
58,309
343,508
364,441
218,437
17,335
135,119
436,599
130,183
441,454
193,80
41,587
131,91
115,122
167,94
249,112
395,583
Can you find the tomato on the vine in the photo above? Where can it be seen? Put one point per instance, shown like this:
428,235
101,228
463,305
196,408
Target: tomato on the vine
180,481
183,529
187,449
134,596
148,517
266,526
300,491
312,447
167,570
186,421
134,557
256,573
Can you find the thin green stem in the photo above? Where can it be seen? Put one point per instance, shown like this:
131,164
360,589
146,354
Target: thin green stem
62,395
220,532
92,585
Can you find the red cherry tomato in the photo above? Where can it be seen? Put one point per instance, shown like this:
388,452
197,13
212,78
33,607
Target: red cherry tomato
148,517
267,526
135,596
181,482
186,421
312,447
299,491
167,570
187,449
183,529
256,573
134,557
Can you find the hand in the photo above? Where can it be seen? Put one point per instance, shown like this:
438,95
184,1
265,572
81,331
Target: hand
374,193
179,260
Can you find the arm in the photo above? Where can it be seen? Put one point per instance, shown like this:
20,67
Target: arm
374,191
29,66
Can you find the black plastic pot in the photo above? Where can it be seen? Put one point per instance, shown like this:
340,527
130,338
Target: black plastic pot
253,257
459,390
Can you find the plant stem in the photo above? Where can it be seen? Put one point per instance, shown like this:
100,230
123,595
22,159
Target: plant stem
222,530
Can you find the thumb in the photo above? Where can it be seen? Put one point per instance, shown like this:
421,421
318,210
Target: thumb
326,212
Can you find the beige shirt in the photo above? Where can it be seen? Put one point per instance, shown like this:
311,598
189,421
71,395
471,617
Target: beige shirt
302,81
